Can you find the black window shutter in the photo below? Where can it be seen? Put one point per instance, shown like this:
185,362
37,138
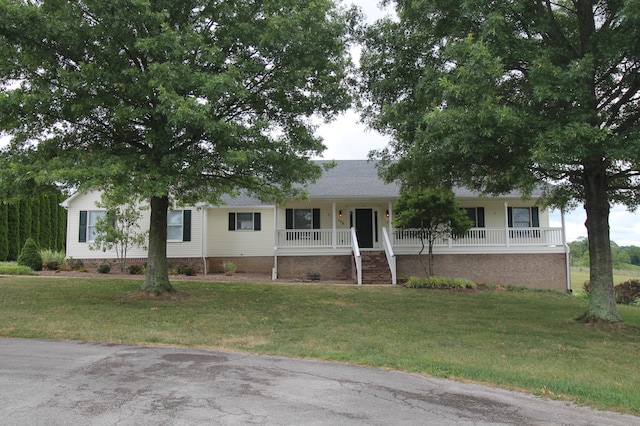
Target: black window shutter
232,221
289,219
257,225
510,216
535,217
316,219
186,225
480,216
83,227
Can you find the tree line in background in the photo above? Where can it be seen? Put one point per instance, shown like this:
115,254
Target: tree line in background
39,217
620,255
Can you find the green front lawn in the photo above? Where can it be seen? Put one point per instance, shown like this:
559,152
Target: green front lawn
516,340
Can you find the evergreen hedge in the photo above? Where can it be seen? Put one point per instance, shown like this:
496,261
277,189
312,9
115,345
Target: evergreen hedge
39,217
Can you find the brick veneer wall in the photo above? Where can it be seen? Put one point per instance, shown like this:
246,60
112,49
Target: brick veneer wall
195,262
329,267
258,264
543,271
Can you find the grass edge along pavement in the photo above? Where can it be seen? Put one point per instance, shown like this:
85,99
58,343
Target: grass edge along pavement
515,340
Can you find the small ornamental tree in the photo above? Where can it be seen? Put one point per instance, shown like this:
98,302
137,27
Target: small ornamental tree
119,229
30,255
434,213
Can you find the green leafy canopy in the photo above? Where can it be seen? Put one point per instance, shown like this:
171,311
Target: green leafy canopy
190,98
519,94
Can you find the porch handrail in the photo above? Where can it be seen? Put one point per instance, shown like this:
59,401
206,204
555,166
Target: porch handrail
356,255
391,257
476,237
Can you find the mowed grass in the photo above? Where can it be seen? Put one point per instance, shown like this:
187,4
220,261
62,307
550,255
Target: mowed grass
517,340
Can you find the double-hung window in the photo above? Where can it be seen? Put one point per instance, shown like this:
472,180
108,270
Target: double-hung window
476,216
245,221
179,225
523,217
301,219
88,220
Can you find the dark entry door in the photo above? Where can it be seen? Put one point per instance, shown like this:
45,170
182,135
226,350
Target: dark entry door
364,227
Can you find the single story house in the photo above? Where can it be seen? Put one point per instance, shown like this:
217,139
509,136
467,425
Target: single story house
345,232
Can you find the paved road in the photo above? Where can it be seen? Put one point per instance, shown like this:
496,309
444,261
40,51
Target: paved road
77,383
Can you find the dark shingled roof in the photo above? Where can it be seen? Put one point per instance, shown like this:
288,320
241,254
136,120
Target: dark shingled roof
352,179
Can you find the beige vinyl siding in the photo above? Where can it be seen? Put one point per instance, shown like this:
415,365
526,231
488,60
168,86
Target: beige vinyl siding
326,212
221,242
78,250
495,214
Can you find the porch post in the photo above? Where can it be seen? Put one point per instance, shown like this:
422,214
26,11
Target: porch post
506,224
334,238
390,218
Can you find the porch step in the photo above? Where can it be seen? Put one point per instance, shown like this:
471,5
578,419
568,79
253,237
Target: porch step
375,269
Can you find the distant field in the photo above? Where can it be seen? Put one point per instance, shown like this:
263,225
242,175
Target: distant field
580,274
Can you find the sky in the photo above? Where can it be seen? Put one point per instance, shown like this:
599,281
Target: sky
348,139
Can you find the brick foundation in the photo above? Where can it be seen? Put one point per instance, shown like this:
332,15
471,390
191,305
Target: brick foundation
195,262
258,264
329,268
543,271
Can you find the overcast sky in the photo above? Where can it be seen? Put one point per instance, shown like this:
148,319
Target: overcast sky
347,139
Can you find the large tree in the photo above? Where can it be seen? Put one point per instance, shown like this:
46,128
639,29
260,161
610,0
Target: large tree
501,95
171,100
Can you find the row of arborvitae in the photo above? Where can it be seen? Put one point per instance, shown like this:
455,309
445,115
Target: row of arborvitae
40,218
627,293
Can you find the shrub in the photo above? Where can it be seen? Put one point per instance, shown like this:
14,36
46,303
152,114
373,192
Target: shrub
627,292
104,268
12,268
75,264
228,267
135,269
440,282
30,255
187,270
52,260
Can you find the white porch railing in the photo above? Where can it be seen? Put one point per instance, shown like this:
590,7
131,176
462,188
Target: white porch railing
356,254
476,237
310,238
479,237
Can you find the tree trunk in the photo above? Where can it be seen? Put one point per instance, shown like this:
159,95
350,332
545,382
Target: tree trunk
420,258
602,300
430,257
157,278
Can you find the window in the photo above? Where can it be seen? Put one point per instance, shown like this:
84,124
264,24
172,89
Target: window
88,221
476,216
245,222
523,217
302,219
179,225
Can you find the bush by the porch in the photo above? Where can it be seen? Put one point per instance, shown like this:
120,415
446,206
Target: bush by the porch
440,282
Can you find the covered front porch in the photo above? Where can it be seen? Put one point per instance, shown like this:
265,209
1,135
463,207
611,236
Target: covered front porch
393,243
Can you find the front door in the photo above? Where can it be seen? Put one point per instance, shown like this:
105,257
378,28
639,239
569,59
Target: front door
364,227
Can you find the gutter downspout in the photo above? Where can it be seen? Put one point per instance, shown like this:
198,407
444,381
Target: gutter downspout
567,252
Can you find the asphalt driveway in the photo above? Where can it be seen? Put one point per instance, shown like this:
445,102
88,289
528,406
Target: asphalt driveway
79,383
